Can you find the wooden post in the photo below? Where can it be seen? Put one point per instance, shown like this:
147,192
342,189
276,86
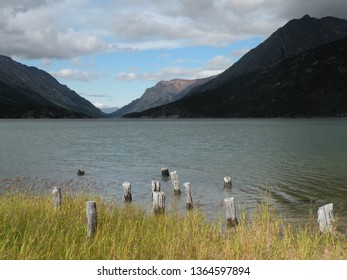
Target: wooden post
165,172
155,186
230,212
81,172
56,195
127,192
158,202
189,200
175,182
92,217
325,218
227,182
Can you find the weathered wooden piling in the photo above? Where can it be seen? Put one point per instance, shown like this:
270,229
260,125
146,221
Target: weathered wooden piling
127,192
165,172
81,172
230,212
155,186
175,182
158,202
326,218
92,218
56,195
189,200
227,182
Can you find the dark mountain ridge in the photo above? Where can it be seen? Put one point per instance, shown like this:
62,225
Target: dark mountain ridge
28,91
294,80
295,37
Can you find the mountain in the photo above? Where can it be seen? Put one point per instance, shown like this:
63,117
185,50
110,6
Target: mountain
162,93
109,110
311,84
297,36
31,92
288,75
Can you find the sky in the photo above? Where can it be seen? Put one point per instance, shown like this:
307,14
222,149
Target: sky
111,51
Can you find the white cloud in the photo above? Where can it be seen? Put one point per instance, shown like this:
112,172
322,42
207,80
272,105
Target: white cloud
98,105
74,74
127,76
214,66
219,63
34,31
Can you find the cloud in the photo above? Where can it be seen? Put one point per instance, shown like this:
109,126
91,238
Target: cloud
214,66
98,105
315,8
161,24
240,52
74,74
32,31
67,29
219,63
24,5
204,22
127,76
98,95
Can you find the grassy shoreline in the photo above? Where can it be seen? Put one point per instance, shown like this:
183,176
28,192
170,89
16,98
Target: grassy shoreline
32,229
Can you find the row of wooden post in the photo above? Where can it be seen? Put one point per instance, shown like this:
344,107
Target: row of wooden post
325,213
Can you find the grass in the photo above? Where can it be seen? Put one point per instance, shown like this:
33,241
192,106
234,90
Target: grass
30,228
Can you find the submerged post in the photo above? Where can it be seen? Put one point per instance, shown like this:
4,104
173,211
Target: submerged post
92,217
56,195
81,172
158,202
227,182
127,192
325,218
189,200
165,172
155,186
230,212
175,182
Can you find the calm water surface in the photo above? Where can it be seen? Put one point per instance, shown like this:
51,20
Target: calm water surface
297,161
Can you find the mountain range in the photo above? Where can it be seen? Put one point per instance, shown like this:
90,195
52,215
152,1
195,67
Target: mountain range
28,92
162,93
297,72
109,110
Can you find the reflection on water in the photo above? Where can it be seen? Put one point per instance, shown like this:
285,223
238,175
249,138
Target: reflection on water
301,163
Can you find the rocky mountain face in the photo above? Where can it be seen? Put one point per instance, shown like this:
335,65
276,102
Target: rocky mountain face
162,93
299,71
297,36
30,92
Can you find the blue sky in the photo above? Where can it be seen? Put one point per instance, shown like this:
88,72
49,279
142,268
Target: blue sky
110,51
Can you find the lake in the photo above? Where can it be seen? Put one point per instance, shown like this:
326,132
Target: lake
301,163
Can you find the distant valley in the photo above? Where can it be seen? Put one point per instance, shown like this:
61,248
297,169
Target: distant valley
109,110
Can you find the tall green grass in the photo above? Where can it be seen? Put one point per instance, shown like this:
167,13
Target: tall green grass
30,228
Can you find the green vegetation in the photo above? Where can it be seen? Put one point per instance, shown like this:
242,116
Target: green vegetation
30,228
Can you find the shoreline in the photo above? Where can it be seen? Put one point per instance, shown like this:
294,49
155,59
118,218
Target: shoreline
33,229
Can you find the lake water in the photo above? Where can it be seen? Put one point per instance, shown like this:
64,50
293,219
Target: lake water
296,161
